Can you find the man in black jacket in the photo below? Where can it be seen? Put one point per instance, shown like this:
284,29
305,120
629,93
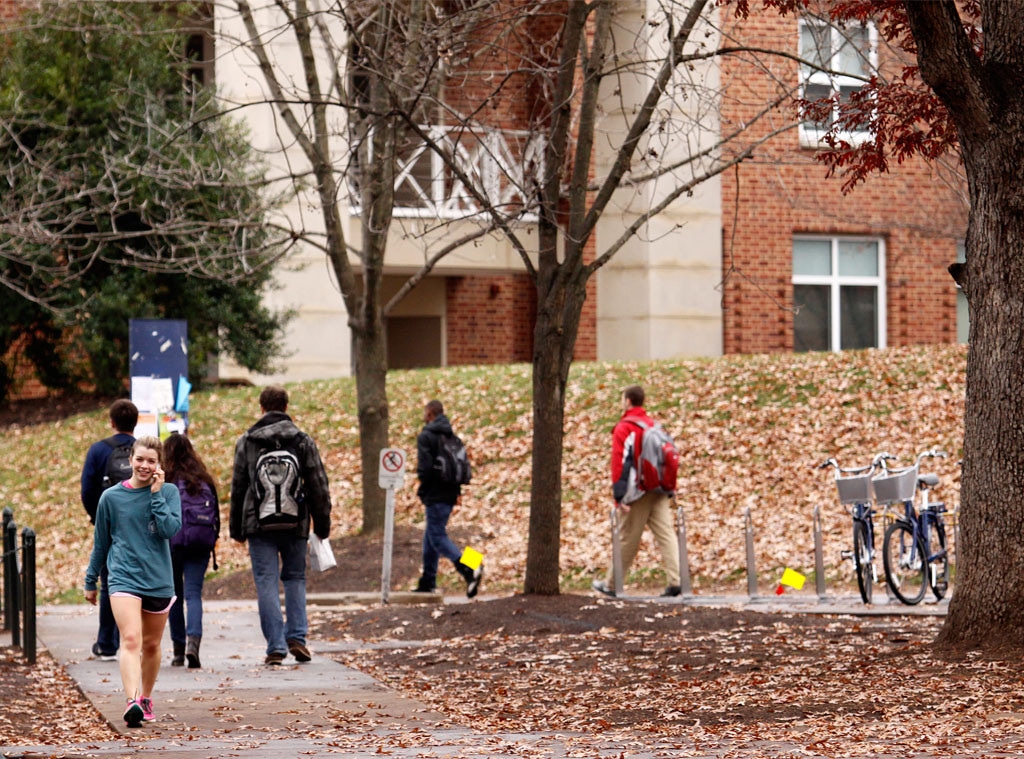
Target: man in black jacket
439,498
124,415
296,482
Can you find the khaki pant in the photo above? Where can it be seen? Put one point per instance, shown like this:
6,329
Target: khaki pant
654,509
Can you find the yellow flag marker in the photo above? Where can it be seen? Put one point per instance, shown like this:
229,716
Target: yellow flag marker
792,579
472,559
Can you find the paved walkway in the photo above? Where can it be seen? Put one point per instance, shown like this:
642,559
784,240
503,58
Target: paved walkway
236,706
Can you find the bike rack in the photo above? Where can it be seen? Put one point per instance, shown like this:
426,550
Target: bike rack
751,567
684,560
819,557
617,580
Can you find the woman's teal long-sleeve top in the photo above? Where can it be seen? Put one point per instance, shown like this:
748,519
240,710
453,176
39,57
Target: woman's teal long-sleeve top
133,527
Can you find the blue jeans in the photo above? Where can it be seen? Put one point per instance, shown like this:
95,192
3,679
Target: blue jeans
186,618
108,639
291,572
436,542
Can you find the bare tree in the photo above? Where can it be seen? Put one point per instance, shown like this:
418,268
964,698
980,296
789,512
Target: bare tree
166,188
127,191
623,118
363,72
614,109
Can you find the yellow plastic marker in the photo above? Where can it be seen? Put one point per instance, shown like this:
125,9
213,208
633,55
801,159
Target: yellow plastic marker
472,559
793,579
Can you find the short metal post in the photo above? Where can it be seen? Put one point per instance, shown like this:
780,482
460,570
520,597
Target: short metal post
28,547
8,516
617,580
12,578
751,566
389,533
684,558
819,557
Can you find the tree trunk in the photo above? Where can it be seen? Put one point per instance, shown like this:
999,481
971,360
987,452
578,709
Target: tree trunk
983,98
560,302
372,402
988,606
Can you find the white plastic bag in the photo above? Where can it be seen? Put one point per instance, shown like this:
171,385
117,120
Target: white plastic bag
321,556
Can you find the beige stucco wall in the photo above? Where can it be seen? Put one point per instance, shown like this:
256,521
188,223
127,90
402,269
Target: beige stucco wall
318,337
657,297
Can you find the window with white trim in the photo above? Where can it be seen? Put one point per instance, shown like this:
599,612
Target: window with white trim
838,293
839,61
963,314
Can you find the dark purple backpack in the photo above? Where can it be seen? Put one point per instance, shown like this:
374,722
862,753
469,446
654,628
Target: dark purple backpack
200,519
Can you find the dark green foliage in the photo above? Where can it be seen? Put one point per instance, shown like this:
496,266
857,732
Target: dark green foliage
125,194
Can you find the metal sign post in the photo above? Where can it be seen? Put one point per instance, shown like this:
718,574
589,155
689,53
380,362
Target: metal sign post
618,581
390,477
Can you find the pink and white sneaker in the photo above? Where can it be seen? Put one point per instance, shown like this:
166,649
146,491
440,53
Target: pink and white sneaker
147,709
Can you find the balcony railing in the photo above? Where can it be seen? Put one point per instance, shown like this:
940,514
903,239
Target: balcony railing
503,165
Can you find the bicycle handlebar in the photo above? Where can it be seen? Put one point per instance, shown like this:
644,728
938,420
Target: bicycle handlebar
934,453
831,462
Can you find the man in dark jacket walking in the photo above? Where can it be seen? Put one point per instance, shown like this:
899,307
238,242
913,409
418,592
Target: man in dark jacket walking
124,415
439,498
274,497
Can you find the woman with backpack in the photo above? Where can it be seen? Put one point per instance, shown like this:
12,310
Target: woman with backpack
192,547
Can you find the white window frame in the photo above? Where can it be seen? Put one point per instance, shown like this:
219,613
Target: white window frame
835,281
810,135
963,314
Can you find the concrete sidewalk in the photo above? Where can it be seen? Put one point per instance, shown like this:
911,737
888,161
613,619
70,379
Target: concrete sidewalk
235,704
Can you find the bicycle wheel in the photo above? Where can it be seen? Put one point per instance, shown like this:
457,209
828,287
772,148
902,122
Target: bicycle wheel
862,560
905,566
938,559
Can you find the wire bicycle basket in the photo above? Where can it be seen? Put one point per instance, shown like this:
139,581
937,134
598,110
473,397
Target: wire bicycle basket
854,489
896,486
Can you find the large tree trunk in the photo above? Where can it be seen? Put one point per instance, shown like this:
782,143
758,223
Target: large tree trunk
988,606
983,97
561,294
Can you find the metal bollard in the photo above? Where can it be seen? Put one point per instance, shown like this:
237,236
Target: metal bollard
751,567
617,581
8,516
819,557
28,547
684,559
12,581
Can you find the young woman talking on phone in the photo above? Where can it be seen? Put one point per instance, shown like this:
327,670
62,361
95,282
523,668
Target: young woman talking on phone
134,522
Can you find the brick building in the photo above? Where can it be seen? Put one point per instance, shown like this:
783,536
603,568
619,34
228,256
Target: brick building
768,257
793,244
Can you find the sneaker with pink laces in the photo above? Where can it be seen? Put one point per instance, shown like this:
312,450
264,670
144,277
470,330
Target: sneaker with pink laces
147,709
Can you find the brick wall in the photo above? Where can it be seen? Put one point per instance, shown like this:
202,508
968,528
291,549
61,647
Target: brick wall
783,191
490,319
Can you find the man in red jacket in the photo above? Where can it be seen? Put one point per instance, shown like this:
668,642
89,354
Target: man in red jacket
653,508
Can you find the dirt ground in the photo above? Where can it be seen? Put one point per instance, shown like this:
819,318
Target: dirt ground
661,673
657,672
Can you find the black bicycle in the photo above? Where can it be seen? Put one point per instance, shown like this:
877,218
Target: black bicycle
914,551
854,487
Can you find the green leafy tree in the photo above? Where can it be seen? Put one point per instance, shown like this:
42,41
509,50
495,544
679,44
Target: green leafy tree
126,194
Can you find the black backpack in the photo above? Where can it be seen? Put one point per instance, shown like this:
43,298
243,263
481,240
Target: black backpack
277,486
452,462
119,463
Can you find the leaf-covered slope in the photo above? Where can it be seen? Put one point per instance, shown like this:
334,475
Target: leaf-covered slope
749,429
